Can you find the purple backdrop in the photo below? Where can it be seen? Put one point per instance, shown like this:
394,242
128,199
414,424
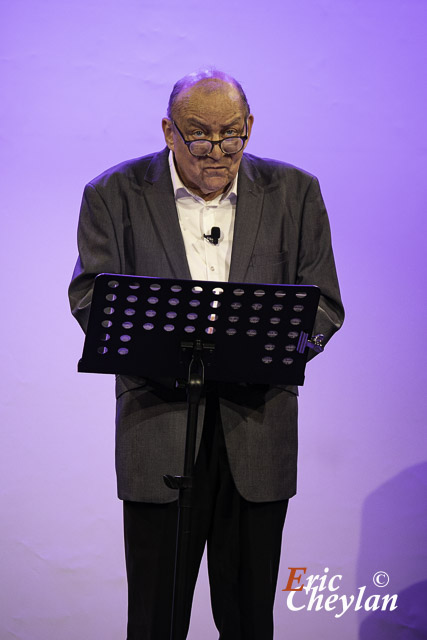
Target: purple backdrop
337,87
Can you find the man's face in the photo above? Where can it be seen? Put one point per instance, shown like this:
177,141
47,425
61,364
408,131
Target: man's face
210,110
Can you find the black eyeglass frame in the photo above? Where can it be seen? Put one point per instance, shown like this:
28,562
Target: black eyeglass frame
213,142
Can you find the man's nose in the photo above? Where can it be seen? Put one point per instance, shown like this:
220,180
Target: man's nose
216,152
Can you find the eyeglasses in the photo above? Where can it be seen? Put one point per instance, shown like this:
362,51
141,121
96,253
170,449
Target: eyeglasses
228,146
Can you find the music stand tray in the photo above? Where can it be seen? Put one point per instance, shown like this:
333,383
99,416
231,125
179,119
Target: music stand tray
146,326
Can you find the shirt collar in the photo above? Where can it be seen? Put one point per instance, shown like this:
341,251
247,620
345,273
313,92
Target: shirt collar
181,191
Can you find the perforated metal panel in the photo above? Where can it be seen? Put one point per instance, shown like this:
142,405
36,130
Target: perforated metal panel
250,332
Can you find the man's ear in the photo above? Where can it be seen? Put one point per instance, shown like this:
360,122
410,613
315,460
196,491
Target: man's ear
250,123
167,132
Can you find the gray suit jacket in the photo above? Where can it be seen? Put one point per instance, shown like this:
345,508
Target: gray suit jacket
129,224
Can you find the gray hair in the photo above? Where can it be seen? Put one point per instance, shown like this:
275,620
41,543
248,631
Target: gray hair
205,74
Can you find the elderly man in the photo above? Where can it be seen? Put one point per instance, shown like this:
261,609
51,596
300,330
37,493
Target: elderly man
154,216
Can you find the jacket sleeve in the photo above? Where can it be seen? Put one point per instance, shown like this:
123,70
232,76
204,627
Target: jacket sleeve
98,252
316,263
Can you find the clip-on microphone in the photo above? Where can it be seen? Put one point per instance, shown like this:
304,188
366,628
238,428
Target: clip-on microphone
213,236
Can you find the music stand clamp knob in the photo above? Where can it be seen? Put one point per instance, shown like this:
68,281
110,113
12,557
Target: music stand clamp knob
316,343
178,482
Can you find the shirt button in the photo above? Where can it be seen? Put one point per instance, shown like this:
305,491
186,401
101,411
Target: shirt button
212,268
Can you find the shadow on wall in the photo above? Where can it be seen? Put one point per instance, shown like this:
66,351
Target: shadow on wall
393,542
407,622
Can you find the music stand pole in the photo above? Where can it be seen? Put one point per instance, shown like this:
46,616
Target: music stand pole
184,484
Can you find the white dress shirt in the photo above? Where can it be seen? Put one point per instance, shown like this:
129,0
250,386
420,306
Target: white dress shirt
206,260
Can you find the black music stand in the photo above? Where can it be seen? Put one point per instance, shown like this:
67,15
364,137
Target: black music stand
222,331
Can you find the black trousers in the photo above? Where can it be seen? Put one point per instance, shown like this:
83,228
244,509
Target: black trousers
243,549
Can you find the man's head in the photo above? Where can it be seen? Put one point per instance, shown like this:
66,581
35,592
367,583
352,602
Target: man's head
210,106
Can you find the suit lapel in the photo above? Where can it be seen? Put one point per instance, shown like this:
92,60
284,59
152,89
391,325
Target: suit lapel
250,198
158,194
